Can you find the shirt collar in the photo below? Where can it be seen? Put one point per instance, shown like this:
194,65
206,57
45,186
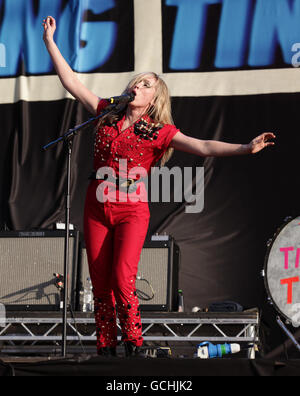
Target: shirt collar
145,117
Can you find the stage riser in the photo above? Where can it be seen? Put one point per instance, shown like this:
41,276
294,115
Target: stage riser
172,329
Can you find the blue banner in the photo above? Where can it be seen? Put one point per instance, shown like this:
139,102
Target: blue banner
88,35
198,35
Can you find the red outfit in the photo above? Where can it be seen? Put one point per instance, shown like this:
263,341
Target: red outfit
115,231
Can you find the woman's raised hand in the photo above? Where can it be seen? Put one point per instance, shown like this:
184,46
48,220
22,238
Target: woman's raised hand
49,28
261,141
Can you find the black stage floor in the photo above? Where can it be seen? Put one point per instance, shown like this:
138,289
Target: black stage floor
167,369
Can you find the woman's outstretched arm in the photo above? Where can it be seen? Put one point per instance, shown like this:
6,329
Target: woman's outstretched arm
64,71
214,148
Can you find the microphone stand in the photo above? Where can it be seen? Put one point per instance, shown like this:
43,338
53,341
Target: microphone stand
67,140
288,333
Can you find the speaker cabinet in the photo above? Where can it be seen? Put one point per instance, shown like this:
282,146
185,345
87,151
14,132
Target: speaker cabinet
157,278
28,262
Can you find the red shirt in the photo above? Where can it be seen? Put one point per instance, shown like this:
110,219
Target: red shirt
136,145
111,145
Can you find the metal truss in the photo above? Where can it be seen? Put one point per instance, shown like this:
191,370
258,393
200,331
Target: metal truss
34,330
46,328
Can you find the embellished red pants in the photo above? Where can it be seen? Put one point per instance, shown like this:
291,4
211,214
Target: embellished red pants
114,234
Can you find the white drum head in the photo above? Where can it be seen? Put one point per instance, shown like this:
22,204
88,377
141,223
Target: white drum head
282,271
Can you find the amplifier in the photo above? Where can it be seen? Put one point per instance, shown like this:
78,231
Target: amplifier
157,278
28,262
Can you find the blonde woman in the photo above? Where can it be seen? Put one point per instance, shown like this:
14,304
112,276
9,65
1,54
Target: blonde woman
115,226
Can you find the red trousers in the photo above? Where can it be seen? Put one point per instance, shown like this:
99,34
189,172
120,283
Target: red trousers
114,235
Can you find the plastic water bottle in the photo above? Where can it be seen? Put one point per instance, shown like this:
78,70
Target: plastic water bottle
206,350
88,300
180,301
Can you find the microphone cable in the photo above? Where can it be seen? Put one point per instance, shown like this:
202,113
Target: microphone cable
143,295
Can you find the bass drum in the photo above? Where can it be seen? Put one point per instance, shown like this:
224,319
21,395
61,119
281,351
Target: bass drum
282,271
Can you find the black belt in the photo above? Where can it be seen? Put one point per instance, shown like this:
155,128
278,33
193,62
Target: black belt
119,181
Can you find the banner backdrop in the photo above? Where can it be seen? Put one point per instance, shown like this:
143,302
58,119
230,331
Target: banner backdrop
232,69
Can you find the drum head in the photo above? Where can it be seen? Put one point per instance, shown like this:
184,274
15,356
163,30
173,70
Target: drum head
282,271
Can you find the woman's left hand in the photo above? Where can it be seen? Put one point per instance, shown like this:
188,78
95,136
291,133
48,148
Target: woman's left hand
260,142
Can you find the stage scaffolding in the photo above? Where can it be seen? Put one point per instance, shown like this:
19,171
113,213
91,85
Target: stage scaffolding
40,332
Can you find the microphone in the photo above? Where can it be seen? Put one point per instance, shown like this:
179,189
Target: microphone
123,99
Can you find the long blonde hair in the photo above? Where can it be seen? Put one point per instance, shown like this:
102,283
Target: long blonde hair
159,110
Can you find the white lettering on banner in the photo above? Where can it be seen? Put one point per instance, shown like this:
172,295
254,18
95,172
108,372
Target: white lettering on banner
296,57
2,55
148,50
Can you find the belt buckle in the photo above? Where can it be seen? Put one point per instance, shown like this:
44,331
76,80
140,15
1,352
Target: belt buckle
127,183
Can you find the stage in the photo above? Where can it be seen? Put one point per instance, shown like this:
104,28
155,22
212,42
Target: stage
171,369
30,345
